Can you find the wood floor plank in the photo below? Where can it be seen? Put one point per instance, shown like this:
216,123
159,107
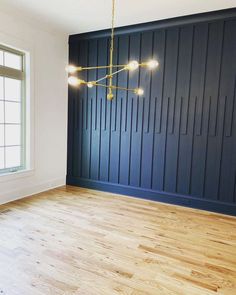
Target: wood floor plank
77,241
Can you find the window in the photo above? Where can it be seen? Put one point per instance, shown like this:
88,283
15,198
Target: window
12,110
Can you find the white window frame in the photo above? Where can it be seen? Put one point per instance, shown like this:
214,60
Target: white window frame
28,50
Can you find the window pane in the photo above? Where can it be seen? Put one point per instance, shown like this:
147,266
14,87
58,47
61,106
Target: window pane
12,112
1,58
13,156
1,112
12,89
1,158
12,60
1,88
1,135
13,134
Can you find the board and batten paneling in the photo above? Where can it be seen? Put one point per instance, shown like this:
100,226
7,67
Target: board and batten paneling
177,142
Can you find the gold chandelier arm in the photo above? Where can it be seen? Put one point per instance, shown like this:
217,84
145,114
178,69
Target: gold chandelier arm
101,79
108,76
99,67
79,69
119,71
115,87
76,82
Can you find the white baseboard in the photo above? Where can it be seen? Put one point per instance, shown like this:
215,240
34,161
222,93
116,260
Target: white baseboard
30,190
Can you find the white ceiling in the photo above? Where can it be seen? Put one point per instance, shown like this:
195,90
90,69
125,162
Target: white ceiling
77,16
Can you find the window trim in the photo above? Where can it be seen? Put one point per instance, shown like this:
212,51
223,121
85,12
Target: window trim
28,48
17,75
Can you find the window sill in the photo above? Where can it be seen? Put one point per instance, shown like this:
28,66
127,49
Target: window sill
15,175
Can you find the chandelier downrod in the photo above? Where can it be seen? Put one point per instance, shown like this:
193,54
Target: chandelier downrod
110,94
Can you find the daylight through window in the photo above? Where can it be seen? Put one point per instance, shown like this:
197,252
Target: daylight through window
12,110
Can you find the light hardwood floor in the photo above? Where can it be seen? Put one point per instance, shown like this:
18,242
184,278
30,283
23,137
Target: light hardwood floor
78,241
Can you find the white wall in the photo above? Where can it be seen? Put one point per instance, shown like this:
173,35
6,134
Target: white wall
48,52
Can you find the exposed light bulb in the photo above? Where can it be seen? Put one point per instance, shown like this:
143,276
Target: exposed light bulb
90,84
133,65
71,69
139,91
152,64
74,81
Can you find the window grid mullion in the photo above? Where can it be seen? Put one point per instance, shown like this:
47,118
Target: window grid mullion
11,145
7,100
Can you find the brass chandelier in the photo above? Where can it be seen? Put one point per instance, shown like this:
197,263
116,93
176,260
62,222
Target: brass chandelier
131,66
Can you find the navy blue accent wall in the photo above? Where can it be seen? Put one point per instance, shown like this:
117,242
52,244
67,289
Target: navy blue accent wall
175,144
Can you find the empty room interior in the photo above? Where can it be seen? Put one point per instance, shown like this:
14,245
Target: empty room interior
117,147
